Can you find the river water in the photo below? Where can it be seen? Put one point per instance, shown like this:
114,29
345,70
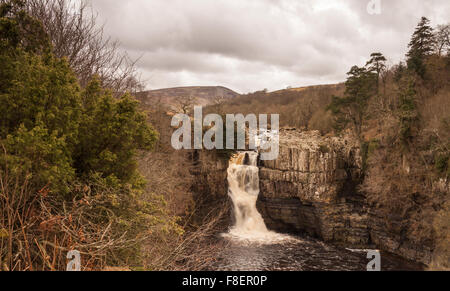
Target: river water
250,246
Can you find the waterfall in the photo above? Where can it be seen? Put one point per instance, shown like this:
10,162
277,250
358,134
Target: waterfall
243,189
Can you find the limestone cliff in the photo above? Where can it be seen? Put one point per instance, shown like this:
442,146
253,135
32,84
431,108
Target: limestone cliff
210,185
313,188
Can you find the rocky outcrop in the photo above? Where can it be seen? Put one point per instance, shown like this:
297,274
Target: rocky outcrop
310,188
210,185
310,167
210,174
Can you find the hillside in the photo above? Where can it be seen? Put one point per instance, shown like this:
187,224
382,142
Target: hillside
302,107
174,98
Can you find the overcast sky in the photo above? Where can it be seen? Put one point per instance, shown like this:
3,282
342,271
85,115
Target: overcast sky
249,45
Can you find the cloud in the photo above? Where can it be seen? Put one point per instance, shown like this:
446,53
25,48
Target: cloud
248,45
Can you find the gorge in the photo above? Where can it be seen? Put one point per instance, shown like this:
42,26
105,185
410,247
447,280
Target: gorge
311,192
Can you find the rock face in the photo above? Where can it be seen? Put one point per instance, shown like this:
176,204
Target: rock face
310,167
310,188
210,185
210,172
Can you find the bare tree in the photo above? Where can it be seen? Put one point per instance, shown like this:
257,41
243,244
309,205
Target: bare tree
75,34
304,111
218,104
185,104
442,39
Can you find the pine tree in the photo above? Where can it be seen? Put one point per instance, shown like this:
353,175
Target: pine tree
376,64
420,47
407,111
352,108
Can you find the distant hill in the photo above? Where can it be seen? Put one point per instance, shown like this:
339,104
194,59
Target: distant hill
171,97
312,87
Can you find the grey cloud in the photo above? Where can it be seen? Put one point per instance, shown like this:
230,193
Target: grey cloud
253,44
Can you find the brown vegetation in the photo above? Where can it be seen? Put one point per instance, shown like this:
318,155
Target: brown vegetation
305,108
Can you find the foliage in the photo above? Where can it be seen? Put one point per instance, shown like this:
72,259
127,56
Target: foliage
41,155
442,164
68,169
367,149
441,255
39,93
18,29
407,112
352,108
111,131
420,47
377,65
36,89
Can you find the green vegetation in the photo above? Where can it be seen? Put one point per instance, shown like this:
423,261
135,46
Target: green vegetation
407,112
352,108
324,149
420,47
68,167
443,164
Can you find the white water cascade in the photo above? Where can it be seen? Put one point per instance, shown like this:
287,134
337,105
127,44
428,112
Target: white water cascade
243,189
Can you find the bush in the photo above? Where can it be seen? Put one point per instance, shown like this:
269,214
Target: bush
442,164
48,122
41,155
324,149
107,225
38,90
110,133
441,255
68,171
41,102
